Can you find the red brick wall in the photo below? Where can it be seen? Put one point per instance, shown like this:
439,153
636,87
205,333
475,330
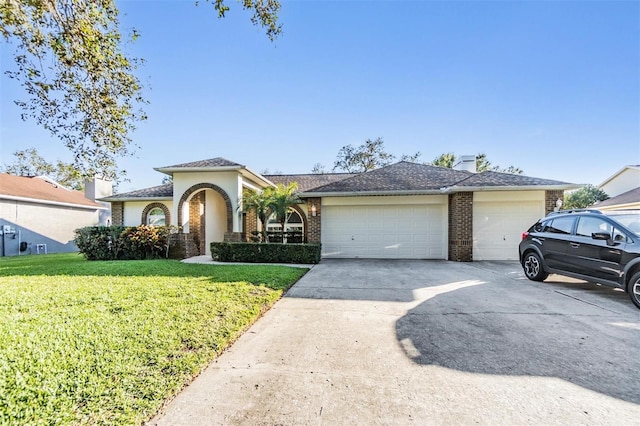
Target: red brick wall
461,227
250,224
313,222
117,213
550,198
197,223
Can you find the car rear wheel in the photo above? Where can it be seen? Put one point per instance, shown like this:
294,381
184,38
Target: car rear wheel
533,269
634,289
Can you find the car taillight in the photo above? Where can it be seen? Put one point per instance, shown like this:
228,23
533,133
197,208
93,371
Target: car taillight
525,234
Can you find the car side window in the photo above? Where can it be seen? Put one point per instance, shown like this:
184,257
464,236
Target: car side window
619,236
587,226
559,225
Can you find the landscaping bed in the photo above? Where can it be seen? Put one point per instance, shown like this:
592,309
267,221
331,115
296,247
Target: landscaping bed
109,342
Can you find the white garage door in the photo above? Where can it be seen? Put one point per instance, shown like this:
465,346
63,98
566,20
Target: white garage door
498,227
386,232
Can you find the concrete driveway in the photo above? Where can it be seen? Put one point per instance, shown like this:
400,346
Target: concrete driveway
427,342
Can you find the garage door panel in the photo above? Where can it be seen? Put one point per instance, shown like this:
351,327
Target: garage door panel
498,226
411,232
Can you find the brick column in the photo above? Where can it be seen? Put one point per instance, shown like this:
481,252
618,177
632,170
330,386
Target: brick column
550,198
314,222
250,224
117,213
461,227
197,223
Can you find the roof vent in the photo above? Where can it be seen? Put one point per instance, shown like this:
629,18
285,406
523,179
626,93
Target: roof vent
466,163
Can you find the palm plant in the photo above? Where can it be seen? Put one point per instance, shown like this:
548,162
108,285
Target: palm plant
258,201
280,201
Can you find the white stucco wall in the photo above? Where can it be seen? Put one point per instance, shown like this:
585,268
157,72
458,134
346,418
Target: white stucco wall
230,182
215,218
627,180
133,211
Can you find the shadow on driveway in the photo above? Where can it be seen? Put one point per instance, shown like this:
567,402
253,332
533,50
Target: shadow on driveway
486,318
553,329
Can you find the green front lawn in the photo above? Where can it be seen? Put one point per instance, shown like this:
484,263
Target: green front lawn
108,342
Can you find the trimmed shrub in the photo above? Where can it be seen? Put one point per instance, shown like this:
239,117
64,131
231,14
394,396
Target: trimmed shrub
266,253
123,243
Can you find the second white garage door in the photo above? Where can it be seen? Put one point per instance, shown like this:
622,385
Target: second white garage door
385,231
499,221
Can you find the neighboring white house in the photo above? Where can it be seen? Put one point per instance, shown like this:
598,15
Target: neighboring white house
623,189
404,210
38,215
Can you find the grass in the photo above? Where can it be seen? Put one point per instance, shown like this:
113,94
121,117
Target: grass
108,342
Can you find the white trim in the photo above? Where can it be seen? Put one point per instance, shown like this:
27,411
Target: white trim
49,202
444,190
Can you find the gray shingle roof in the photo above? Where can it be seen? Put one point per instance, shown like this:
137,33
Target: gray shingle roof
490,178
212,162
402,176
309,181
406,177
632,196
161,191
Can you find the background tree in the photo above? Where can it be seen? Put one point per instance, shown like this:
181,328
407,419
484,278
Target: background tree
444,160
368,156
318,169
483,164
80,84
584,197
29,163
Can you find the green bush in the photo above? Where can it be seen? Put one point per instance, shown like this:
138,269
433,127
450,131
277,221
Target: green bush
266,253
123,243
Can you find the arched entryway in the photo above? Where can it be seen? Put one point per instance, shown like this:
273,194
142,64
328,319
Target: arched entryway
205,213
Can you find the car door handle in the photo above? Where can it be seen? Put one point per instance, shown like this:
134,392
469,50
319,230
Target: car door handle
575,245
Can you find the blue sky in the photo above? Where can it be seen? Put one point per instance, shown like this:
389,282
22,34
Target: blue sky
552,87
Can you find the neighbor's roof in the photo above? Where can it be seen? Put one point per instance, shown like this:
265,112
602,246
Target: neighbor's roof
161,192
42,190
309,181
405,177
629,197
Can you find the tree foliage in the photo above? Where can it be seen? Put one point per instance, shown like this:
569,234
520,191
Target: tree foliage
29,163
80,83
258,202
483,164
584,197
271,201
368,156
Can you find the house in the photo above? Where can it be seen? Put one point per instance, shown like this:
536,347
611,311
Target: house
404,210
623,189
38,215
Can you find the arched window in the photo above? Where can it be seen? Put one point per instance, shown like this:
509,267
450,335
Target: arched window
294,229
156,217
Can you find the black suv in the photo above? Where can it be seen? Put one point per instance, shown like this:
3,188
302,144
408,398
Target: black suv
592,245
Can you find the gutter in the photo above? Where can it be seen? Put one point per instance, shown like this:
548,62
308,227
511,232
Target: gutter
51,203
112,199
441,191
